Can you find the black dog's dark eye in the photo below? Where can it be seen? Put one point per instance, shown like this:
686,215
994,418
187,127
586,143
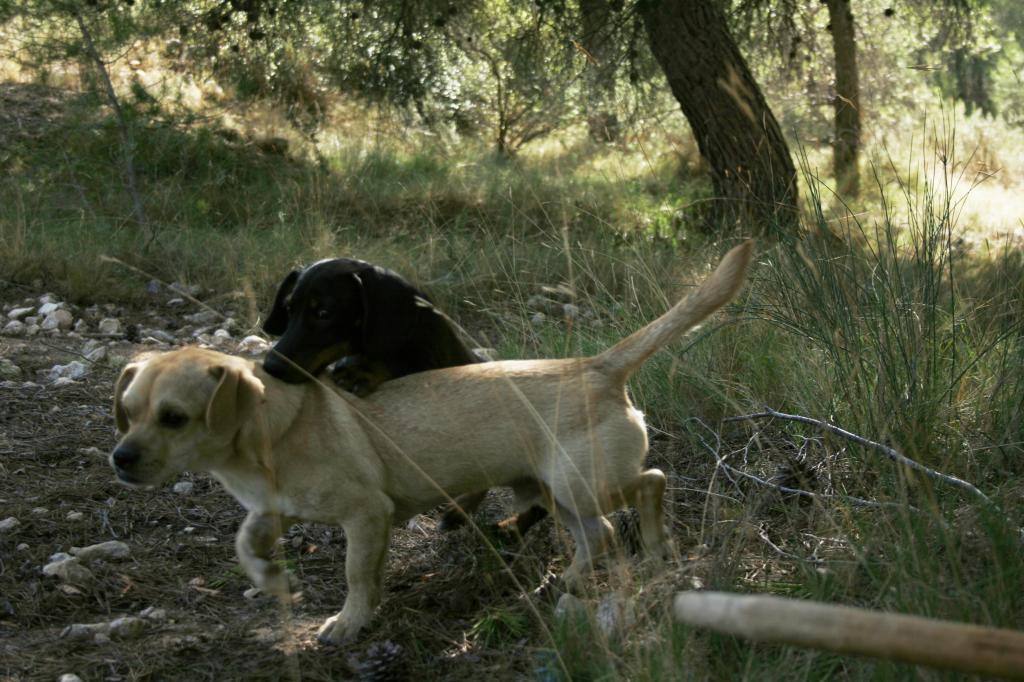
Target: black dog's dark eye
172,419
322,314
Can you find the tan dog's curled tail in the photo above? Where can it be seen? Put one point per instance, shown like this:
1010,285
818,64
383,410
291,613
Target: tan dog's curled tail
627,355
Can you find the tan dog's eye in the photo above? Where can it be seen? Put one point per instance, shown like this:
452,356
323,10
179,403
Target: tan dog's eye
172,419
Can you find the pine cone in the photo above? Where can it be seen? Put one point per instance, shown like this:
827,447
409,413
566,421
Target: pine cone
796,474
627,526
382,662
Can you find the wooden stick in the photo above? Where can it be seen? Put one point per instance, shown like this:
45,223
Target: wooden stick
848,630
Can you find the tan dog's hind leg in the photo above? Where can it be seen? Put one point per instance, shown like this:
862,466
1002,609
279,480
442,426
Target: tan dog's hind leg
646,493
593,537
367,536
254,543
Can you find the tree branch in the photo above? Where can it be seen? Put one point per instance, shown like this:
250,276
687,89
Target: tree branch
127,142
884,449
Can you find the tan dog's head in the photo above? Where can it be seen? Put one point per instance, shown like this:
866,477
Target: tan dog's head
180,410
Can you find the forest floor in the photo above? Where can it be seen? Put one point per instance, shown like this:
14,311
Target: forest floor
458,605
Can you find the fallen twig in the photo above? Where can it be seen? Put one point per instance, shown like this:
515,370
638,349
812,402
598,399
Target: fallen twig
728,469
884,449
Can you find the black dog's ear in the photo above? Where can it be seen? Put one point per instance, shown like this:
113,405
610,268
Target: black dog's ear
277,322
390,307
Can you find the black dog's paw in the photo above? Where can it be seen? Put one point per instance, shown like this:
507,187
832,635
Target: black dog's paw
356,378
347,379
452,519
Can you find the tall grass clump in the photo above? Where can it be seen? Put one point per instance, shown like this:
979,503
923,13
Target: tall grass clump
890,311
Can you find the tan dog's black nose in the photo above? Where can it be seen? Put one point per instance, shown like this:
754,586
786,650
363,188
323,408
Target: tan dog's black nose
124,457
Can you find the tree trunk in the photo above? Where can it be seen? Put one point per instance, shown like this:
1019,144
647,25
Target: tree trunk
751,170
599,78
973,81
846,142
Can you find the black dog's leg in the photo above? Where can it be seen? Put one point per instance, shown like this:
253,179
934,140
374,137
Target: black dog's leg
357,375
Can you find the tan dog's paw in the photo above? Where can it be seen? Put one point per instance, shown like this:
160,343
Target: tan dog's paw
277,582
574,581
339,629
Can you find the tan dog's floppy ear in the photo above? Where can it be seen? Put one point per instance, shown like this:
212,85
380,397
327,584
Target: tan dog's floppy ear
120,415
237,394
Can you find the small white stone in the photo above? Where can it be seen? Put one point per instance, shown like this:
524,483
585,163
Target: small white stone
40,511
486,354
203,317
63,381
175,302
91,451
218,340
23,547
69,571
74,516
252,593
9,524
253,344
47,298
58,319
9,370
109,325
153,613
73,370
14,328
111,549
127,627
183,487
47,308
69,677
20,313
97,354
81,326
77,631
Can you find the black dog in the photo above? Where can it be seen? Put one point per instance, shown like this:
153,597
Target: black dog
377,327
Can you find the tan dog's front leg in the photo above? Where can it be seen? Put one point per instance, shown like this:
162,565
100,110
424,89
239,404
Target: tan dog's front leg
254,543
367,537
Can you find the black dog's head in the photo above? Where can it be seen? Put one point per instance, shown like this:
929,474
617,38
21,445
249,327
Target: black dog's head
318,313
323,313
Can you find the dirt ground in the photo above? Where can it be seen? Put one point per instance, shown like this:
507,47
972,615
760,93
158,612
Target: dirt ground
454,606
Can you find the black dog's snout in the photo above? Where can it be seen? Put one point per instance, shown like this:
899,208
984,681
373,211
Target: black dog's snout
124,457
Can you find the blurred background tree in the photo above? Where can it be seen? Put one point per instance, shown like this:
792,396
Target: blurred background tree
514,72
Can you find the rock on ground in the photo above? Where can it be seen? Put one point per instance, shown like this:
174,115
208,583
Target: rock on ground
112,549
73,370
68,570
109,325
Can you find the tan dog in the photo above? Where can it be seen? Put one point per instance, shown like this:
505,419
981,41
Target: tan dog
562,433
